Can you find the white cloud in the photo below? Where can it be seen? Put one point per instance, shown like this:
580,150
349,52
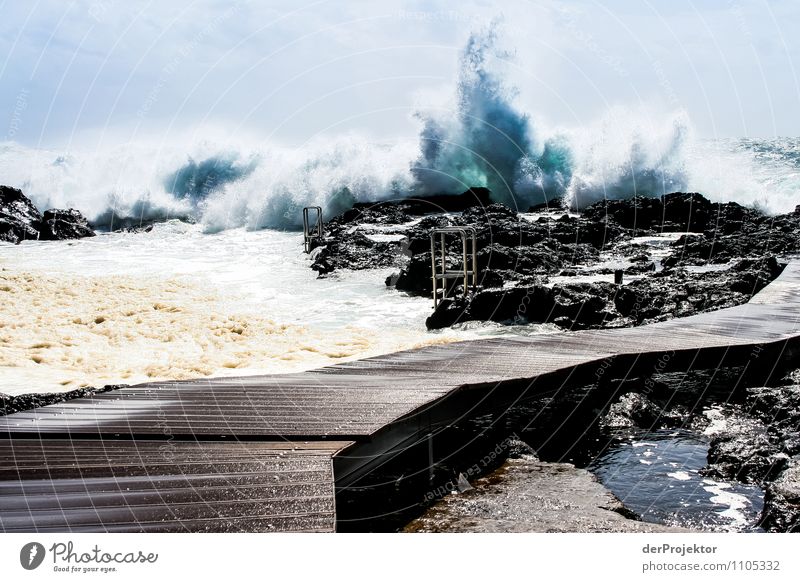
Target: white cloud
328,66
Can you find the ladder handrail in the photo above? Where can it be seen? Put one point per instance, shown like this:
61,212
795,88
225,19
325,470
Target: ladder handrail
466,233
311,233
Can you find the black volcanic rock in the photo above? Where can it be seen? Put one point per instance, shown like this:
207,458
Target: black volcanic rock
449,312
504,305
531,260
19,218
403,210
355,251
346,243
779,407
582,305
585,231
516,256
744,451
685,211
12,404
415,278
553,205
64,225
677,293
638,212
507,243
782,500
472,198
716,232
634,410
738,232
570,306
678,211
659,297
761,444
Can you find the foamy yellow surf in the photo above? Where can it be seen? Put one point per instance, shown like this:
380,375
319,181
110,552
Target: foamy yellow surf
60,332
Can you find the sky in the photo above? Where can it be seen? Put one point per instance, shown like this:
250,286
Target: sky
105,71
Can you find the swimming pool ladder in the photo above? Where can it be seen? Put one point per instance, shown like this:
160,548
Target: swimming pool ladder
440,272
312,230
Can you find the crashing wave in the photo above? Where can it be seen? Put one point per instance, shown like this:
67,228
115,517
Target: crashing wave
484,139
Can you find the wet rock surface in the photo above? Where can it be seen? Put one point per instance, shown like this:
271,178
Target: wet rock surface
782,500
677,212
612,427
744,451
12,404
357,239
20,220
64,225
738,232
759,442
664,295
637,410
761,434
525,262
356,250
678,292
779,407
527,495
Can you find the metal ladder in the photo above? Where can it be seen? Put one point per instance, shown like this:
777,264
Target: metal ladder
469,272
311,231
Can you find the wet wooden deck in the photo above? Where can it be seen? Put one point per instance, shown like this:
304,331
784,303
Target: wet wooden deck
264,453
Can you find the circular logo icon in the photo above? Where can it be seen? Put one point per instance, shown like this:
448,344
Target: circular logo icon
31,555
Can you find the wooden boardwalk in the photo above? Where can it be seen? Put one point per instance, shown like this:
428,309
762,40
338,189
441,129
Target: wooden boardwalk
265,453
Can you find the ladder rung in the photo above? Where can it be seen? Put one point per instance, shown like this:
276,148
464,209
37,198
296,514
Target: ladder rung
453,275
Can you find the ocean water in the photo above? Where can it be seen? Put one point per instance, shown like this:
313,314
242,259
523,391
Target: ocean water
657,476
223,185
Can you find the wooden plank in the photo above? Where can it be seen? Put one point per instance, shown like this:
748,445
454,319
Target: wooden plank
133,486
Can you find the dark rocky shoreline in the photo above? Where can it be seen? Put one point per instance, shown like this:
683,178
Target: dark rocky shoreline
20,220
530,267
760,443
12,404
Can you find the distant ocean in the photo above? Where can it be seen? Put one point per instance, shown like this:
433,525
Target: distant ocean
487,137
